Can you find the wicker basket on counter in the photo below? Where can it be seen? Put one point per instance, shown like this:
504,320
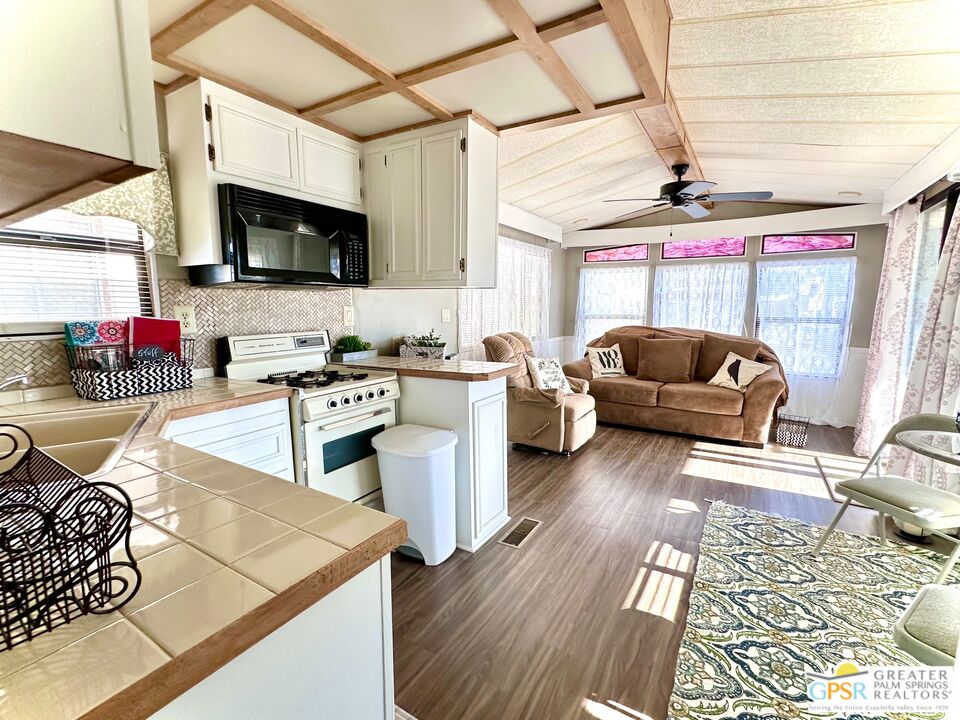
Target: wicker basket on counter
64,543
110,372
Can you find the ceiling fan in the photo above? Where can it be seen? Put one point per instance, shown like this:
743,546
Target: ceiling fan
688,194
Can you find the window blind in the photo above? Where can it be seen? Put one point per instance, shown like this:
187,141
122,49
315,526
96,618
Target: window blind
59,266
705,296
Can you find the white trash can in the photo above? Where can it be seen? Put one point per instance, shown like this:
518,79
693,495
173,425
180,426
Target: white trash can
417,474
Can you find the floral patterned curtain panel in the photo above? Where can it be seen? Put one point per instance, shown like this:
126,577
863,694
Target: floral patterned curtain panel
933,385
887,363
146,200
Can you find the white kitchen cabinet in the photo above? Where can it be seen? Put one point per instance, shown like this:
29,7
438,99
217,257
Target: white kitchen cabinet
257,436
446,176
333,661
78,111
218,135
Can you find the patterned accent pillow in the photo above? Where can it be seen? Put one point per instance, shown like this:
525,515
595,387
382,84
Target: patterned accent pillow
547,374
606,361
737,372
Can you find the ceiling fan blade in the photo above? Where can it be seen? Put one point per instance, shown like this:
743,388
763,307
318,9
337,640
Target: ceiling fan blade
633,200
697,187
695,210
729,197
641,210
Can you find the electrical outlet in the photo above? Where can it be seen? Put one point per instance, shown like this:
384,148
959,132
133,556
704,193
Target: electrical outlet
187,316
348,315
445,315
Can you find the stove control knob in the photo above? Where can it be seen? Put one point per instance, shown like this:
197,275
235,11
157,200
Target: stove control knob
381,392
358,398
331,404
345,400
371,394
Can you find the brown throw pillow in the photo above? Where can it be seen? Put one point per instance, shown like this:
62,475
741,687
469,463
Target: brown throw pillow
697,347
628,349
715,349
666,360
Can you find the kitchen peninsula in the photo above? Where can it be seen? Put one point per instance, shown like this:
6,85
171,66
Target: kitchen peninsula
468,397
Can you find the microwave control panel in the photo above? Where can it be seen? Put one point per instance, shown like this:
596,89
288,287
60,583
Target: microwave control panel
356,270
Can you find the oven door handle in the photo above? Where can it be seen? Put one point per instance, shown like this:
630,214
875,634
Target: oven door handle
352,420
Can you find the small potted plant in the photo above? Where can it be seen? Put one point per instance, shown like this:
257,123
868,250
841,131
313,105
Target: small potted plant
430,345
352,347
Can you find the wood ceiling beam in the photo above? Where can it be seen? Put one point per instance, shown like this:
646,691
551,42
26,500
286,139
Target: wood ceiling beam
194,23
476,117
666,131
195,71
642,29
521,24
307,26
614,107
554,30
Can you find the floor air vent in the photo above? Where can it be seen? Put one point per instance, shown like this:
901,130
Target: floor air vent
520,532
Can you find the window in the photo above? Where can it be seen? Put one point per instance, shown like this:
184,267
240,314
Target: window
58,266
624,253
713,247
803,313
780,244
609,297
707,296
520,301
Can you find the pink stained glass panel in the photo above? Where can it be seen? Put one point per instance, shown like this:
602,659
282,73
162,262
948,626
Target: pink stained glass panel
624,253
777,244
713,247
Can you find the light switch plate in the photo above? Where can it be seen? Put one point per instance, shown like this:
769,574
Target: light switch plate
348,315
445,315
187,316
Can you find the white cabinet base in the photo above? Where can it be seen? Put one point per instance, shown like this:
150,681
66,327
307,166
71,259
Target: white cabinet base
477,413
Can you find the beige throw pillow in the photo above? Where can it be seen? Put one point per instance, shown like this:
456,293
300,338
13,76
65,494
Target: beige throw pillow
737,372
606,361
547,374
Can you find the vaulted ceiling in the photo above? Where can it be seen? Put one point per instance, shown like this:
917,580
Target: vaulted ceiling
802,97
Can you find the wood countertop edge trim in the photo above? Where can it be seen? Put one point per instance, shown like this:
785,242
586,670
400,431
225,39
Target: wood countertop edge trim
444,374
172,679
205,407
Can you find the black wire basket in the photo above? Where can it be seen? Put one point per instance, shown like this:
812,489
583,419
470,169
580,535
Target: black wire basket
64,543
792,430
111,372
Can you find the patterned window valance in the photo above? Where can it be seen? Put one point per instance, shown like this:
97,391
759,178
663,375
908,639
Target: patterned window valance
146,200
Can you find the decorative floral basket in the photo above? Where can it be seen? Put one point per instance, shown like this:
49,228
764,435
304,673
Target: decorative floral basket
108,372
57,532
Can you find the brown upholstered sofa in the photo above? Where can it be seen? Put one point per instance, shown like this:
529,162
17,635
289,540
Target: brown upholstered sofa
547,419
693,408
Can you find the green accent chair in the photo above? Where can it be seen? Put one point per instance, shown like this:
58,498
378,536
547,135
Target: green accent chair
906,500
930,627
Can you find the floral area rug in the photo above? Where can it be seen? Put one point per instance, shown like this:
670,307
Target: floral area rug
764,611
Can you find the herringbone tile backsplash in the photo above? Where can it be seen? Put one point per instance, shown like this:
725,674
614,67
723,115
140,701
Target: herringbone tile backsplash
220,311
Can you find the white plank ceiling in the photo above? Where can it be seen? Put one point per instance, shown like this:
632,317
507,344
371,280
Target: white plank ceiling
801,97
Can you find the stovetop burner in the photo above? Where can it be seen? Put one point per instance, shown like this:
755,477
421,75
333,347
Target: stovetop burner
313,378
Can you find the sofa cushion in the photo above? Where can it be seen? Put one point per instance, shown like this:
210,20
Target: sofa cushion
665,359
715,349
576,406
628,348
627,390
699,397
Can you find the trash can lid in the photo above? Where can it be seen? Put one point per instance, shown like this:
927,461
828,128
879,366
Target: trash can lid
414,440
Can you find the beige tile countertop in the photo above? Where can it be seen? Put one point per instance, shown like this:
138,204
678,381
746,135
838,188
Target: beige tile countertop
227,556
462,370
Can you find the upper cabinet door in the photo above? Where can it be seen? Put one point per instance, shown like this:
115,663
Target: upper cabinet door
254,146
378,211
404,242
328,168
442,206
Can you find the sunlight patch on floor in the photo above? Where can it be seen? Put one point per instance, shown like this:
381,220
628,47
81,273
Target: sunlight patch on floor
612,710
659,585
676,506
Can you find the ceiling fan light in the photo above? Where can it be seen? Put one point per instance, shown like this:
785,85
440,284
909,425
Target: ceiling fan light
849,194
580,221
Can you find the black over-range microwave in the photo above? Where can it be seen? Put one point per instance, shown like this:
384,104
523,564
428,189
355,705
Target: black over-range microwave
270,238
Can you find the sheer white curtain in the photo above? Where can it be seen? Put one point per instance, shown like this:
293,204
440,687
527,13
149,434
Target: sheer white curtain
609,297
803,313
520,301
706,296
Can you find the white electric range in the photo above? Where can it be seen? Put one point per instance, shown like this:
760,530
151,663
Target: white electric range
336,412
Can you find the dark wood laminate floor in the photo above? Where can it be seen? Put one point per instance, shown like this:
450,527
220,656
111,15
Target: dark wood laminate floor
592,608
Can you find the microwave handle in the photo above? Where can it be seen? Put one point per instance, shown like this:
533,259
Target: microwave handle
351,421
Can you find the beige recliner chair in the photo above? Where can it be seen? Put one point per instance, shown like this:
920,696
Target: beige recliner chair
547,419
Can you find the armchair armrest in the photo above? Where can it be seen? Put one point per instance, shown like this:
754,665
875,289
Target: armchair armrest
759,403
547,398
579,385
578,369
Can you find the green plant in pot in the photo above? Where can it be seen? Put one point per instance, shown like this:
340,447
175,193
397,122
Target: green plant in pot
352,347
429,345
